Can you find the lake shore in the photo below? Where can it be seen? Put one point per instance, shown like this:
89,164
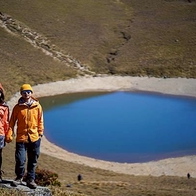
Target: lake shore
179,166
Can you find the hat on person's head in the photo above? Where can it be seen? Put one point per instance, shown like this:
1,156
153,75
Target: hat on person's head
26,87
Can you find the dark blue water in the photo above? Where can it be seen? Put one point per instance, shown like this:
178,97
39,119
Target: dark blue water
123,126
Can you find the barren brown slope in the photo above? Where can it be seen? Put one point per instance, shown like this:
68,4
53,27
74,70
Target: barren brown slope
163,39
155,38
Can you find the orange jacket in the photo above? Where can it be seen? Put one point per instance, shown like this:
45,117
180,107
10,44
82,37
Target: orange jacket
4,119
29,121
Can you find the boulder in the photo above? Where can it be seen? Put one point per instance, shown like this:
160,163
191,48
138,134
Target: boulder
44,191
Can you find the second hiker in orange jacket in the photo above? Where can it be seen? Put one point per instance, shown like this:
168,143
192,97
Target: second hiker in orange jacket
28,115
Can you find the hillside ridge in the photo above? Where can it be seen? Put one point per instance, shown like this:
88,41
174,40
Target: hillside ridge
39,41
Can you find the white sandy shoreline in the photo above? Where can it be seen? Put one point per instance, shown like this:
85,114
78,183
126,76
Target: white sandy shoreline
174,86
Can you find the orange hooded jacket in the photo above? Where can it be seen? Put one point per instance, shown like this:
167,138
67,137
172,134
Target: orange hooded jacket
29,121
4,115
4,119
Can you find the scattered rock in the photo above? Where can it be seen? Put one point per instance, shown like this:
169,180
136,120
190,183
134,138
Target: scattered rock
68,185
126,36
44,191
79,177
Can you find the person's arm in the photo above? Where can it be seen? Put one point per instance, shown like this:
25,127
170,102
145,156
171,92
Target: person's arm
40,122
6,120
9,134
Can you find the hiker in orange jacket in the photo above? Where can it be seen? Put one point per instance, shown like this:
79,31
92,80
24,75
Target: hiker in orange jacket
4,124
29,117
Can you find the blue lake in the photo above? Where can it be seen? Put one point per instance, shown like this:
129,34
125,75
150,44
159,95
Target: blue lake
122,126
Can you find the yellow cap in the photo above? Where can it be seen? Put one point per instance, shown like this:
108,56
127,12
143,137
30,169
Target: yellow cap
25,87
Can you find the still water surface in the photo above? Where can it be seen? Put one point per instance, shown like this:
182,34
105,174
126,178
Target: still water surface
122,126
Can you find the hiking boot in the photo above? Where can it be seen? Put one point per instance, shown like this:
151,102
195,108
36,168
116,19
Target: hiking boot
16,182
31,184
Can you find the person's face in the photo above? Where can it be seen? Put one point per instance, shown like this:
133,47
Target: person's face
26,94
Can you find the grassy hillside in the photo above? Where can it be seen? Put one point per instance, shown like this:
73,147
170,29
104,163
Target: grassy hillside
155,38
97,182
121,37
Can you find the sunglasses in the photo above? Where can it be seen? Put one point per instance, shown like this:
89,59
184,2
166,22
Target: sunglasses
26,91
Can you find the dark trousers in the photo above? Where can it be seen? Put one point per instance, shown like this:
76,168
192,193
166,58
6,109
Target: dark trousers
2,144
32,149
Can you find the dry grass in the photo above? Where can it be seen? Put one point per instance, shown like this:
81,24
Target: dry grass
123,37
116,37
97,182
20,63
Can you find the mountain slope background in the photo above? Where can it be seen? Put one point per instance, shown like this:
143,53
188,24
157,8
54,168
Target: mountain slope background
153,38
119,37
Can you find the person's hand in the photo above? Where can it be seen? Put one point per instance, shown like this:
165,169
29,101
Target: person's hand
8,138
